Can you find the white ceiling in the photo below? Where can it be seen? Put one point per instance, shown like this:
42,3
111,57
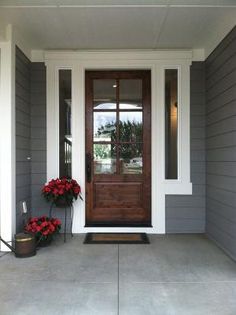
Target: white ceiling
123,24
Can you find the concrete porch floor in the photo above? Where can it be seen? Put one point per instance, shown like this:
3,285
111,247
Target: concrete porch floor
175,274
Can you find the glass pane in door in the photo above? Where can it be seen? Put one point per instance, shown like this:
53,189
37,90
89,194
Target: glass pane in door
104,126
131,126
130,94
104,94
131,161
104,157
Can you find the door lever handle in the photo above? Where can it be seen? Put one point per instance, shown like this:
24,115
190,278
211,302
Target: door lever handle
88,167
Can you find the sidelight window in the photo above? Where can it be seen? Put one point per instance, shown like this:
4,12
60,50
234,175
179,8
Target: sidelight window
171,124
65,135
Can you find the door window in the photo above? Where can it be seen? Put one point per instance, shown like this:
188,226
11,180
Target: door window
171,123
65,136
117,126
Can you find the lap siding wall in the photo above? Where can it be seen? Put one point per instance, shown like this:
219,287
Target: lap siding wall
23,122
221,144
186,213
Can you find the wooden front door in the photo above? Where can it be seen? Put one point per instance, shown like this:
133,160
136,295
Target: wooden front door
118,148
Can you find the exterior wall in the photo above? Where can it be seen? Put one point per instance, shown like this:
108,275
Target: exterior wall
38,143
221,144
23,167
186,213
38,137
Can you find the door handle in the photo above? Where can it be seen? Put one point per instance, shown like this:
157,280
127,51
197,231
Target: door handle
88,167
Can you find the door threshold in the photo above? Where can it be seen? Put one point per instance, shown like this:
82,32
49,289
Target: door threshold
128,225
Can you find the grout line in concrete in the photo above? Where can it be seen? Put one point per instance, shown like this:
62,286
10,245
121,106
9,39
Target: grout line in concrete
183,282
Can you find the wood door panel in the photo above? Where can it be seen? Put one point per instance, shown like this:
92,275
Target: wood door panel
118,165
119,215
118,195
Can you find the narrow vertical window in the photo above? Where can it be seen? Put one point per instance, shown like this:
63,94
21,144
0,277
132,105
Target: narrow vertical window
65,136
171,123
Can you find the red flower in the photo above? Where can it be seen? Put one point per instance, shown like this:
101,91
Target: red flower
46,189
76,190
55,191
43,226
59,188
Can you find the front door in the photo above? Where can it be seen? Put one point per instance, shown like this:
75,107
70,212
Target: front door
118,148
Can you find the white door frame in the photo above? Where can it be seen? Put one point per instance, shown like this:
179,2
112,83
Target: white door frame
157,62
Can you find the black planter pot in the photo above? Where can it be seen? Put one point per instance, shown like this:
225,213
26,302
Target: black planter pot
62,203
45,242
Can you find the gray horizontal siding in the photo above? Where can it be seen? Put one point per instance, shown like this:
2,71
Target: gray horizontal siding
221,144
38,137
38,143
221,196
186,214
23,167
221,168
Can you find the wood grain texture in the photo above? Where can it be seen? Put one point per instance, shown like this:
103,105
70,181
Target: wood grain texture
118,199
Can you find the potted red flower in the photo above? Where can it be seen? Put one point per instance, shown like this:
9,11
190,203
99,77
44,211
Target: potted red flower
62,191
43,228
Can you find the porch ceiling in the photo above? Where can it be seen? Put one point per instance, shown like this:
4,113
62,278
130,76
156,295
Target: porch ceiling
143,24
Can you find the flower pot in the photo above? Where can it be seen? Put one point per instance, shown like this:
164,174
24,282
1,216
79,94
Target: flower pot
62,203
45,242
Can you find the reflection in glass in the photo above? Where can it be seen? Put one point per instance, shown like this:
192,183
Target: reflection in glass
104,158
104,126
104,93
65,137
130,94
131,161
171,123
131,126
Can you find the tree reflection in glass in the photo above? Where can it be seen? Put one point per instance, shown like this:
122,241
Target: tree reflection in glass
131,127
104,158
104,126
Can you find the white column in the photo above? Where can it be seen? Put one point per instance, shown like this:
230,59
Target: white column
52,122
7,140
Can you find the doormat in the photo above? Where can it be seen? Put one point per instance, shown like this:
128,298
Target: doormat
116,238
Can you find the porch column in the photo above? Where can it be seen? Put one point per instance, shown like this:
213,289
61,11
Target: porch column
7,139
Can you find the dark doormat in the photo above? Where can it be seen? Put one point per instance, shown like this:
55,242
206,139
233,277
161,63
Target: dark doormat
116,238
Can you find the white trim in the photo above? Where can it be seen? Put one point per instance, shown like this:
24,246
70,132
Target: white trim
21,43
155,61
53,116
78,146
128,4
52,125
37,55
7,140
122,55
194,54
182,184
199,54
